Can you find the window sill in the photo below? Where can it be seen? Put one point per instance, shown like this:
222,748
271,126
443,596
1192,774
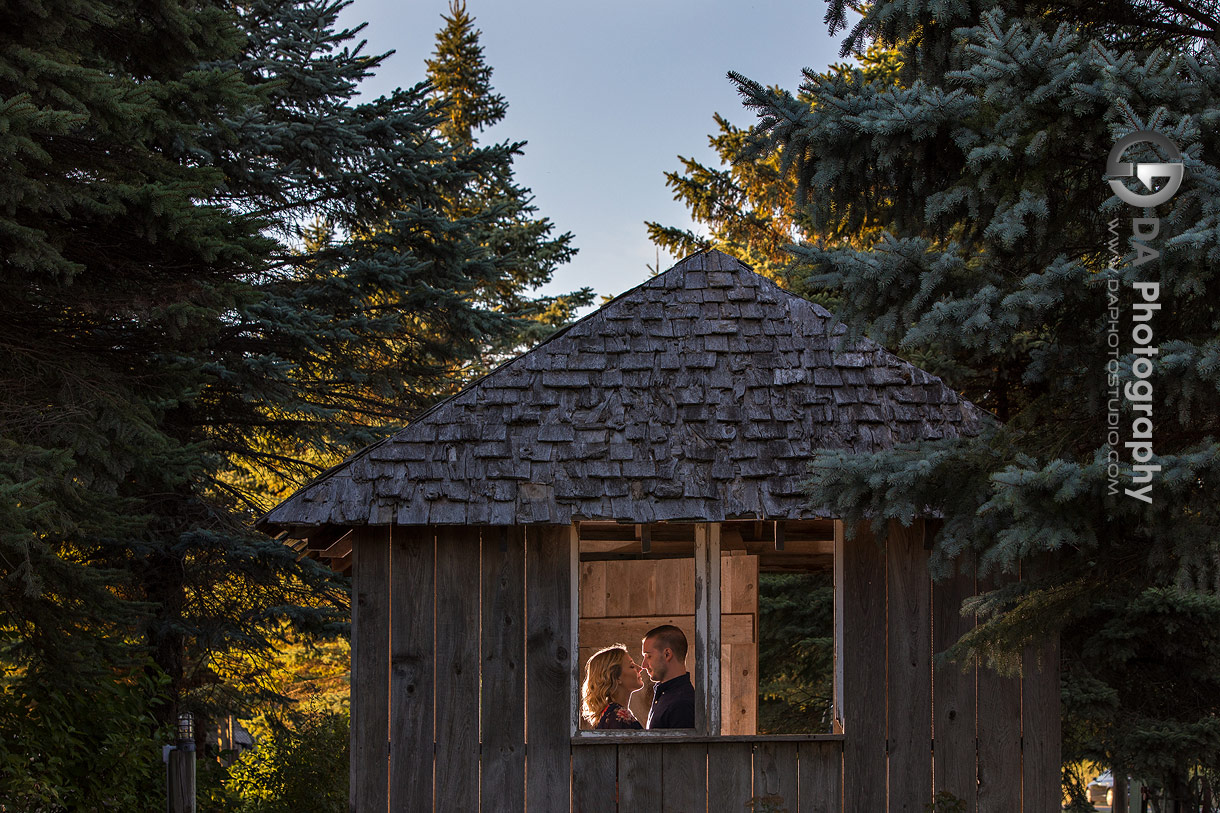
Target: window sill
637,737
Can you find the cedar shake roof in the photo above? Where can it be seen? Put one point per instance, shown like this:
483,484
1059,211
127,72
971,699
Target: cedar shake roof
699,395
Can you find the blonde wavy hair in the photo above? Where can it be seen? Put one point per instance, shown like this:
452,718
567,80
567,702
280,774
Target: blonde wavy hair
602,672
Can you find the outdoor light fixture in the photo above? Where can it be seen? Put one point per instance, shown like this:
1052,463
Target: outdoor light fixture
186,728
179,762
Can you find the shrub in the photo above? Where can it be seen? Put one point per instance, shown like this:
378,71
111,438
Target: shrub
299,762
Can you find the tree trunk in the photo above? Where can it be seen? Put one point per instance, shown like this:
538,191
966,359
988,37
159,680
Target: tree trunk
163,585
1180,789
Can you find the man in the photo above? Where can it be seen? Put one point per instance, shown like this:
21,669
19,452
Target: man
664,658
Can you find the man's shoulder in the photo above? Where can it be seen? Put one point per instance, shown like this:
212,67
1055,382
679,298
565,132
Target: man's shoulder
681,687
676,707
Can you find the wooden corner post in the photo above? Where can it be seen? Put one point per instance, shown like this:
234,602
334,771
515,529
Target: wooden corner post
707,627
370,703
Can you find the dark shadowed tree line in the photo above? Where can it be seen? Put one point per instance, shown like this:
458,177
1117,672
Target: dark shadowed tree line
222,270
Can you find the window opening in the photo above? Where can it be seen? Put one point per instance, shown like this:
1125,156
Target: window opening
634,578
771,615
777,627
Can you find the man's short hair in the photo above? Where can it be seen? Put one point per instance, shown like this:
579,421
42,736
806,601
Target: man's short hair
670,636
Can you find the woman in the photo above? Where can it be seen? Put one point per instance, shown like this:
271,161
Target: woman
610,677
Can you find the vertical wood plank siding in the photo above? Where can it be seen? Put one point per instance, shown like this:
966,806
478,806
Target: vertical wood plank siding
457,667
864,659
775,775
502,785
594,773
819,777
639,777
684,778
953,693
1040,728
1041,744
979,716
411,669
729,775
461,649
999,734
548,664
370,701
910,669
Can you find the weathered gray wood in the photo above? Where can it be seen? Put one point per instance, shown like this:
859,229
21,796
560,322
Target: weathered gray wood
411,665
594,776
457,667
574,676
820,777
1040,723
727,338
953,693
639,777
839,614
1041,728
730,775
180,778
711,664
548,658
703,593
775,777
999,739
502,785
864,631
370,702
684,778
910,669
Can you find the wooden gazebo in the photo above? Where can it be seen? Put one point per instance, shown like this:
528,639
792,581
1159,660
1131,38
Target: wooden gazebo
646,464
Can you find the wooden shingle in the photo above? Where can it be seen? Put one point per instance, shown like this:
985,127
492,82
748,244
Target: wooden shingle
698,395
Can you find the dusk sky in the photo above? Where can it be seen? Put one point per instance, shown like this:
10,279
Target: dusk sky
608,95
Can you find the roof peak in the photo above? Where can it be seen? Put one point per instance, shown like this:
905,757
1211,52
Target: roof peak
709,259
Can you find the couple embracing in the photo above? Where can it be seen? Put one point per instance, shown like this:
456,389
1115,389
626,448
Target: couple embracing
611,677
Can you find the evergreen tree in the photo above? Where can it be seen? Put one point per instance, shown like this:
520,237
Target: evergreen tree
795,652
220,272
747,206
513,234
750,205
461,78
979,184
110,265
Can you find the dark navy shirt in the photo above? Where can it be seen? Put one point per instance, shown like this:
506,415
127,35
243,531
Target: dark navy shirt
673,704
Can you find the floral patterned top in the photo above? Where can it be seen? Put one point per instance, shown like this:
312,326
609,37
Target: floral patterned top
615,716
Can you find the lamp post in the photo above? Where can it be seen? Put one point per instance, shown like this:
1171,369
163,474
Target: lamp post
180,768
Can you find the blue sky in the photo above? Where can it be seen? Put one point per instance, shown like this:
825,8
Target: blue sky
608,95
